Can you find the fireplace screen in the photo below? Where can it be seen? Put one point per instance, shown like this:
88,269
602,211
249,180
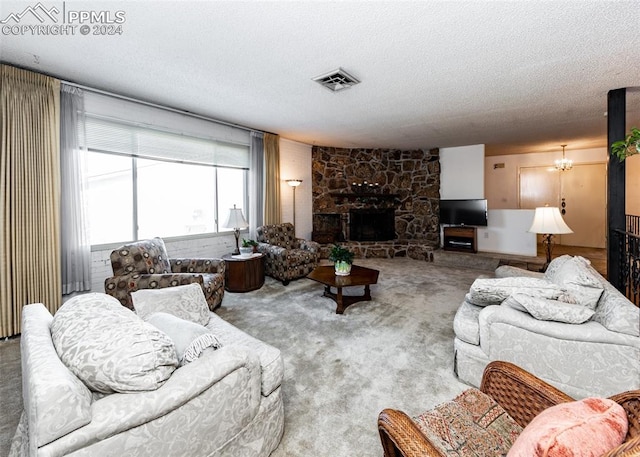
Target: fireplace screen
372,224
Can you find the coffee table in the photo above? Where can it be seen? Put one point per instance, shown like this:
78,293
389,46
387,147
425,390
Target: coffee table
360,276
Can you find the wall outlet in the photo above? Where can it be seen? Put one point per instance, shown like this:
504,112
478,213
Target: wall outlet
486,234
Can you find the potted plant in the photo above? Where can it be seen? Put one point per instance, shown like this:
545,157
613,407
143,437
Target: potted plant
248,246
627,147
342,259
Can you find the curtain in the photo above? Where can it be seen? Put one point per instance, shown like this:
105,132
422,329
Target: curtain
272,179
256,183
29,194
74,242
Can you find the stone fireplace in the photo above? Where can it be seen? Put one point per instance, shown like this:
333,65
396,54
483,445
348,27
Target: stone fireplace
381,202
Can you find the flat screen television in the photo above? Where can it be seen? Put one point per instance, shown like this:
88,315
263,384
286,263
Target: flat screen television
463,212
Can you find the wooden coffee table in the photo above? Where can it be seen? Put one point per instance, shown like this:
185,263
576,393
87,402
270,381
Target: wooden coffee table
360,276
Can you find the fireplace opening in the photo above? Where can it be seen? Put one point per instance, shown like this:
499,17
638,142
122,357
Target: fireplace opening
372,224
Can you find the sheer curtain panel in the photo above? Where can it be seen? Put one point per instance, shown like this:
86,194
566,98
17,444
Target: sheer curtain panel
256,183
272,179
29,194
74,242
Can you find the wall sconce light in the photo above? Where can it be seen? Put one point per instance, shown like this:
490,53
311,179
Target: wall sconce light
294,183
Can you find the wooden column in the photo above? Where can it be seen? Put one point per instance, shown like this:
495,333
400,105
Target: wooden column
616,130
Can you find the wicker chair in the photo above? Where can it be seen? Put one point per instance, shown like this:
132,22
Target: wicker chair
145,265
521,394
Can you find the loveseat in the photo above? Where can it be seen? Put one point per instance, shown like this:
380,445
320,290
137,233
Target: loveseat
91,388
567,326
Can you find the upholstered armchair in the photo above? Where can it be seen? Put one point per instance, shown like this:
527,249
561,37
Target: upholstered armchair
286,257
489,421
145,265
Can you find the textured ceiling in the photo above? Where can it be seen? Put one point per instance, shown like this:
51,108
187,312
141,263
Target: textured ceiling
518,76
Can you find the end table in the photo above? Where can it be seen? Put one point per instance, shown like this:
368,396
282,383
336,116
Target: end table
244,274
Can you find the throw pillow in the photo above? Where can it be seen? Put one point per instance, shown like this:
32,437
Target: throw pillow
189,338
585,428
549,310
580,281
110,348
472,424
186,302
493,291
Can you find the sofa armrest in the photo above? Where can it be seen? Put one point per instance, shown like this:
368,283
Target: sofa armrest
55,401
520,393
307,245
198,266
272,250
401,437
230,375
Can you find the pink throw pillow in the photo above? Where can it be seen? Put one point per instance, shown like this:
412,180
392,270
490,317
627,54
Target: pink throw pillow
585,428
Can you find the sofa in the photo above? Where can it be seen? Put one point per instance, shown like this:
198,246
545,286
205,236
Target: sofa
286,257
568,326
145,264
98,380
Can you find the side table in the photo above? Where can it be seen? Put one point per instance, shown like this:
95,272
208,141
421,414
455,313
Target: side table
244,274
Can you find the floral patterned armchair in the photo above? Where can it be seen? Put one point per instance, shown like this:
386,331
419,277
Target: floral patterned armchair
145,265
286,257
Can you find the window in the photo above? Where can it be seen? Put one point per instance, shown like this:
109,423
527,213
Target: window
144,182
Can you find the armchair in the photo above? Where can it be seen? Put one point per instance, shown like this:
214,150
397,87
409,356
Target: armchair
145,265
286,257
522,396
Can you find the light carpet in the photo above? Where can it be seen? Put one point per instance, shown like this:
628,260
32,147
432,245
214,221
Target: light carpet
395,351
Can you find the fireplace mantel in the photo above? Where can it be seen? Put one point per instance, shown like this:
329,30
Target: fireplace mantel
340,196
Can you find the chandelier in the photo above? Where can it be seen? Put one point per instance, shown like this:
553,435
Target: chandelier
564,164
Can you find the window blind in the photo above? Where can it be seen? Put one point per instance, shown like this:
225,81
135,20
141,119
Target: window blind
108,135
141,130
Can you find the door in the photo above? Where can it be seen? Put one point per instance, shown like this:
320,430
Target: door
583,189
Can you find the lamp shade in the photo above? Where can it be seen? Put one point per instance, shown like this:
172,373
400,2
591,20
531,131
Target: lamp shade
547,220
236,219
294,182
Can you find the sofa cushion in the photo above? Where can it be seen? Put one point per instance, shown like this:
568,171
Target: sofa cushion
472,424
189,338
493,291
549,310
588,427
186,302
554,266
110,348
580,281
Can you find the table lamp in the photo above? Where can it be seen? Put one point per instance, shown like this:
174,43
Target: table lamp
547,222
236,221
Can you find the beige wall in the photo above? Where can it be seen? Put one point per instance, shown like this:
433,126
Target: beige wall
501,183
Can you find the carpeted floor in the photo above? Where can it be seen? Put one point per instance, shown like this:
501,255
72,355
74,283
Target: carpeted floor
340,370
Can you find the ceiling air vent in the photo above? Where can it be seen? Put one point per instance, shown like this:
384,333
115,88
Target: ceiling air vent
336,80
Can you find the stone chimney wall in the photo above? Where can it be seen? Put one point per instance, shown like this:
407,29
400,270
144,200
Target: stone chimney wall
409,181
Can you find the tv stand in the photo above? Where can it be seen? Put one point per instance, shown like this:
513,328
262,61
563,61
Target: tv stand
461,238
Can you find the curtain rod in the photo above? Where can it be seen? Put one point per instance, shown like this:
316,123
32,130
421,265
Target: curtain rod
155,105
